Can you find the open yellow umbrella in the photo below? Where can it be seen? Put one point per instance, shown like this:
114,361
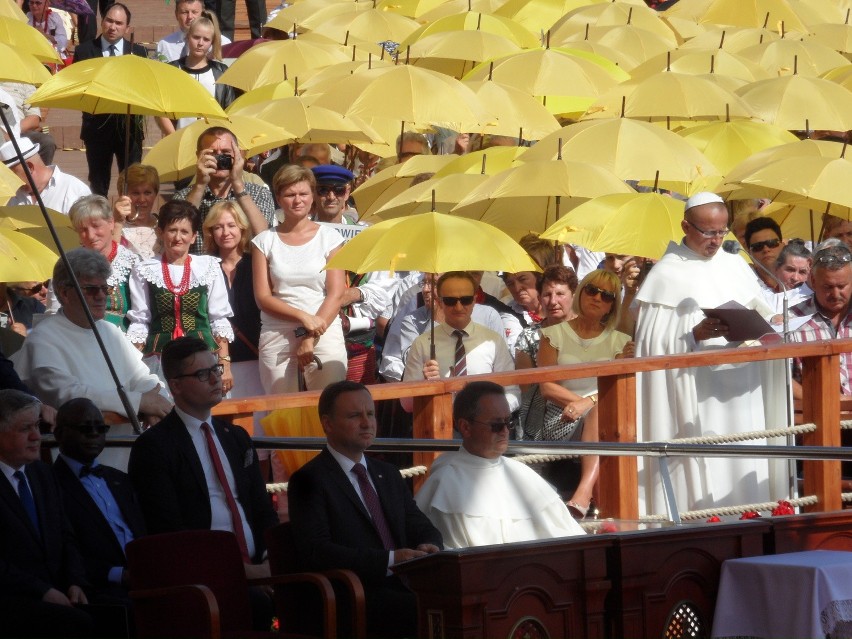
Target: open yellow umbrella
701,61
797,102
753,13
795,221
26,39
726,144
837,37
733,39
127,84
799,148
433,243
373,25
23,258
296,13
10,9
786,57
539,15
489,161
29,220
476,21
455,7
19,66
517,114
326,79
272,62
9,183
533,195
393,180
640,224
637,43
283,89
175,155
612,14
840,75
457,52
617,56
410,8
439,194
632,150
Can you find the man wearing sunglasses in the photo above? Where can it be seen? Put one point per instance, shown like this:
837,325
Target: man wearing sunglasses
691,402
462,347
764,244
99,499
334,186
476,496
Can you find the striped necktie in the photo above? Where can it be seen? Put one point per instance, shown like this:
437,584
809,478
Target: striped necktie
460,360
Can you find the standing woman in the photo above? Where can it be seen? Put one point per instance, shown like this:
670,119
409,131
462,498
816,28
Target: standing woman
179,294
299,301
136,212
203,36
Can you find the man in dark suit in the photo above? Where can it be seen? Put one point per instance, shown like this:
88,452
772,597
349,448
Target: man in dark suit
104,135
174,470
365,520
41,573
99,499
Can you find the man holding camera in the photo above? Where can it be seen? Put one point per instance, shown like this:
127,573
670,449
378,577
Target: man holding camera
219,177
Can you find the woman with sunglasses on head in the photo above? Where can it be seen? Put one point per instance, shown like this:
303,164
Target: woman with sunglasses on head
299,301
589,337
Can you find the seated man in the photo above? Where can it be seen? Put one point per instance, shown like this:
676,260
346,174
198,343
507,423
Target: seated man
61,360
58,190
41,573
350,512
99,500
477,497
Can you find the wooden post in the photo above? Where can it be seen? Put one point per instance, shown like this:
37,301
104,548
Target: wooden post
821,406
433,419
618,483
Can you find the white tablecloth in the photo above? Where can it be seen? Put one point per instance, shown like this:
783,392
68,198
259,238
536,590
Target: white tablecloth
800,594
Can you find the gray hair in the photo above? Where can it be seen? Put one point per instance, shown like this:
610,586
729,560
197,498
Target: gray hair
413,136
89,207
794,248
13,402
85,263
832,258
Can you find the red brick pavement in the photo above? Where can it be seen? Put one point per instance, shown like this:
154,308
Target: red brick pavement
152,19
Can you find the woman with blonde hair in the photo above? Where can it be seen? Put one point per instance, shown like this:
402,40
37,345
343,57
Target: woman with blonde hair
136,212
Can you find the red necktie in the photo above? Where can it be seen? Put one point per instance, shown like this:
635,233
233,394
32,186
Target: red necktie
460,364
371,500
236,520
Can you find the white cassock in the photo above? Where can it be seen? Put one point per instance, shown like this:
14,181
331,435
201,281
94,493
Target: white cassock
476,501
693,402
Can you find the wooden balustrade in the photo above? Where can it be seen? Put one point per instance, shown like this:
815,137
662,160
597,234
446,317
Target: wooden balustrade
617,406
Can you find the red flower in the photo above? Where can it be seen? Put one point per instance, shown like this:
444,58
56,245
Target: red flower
714,520
783,508
751,514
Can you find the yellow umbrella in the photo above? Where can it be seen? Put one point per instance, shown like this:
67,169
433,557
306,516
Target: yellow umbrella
786,57
795,221
476,21
21,67
333,10
283,89
393,180
175,155
539,15
640,224
837,37
701,61
669,95
726,144
457,52
374,25
326,79
632,150
272,62
433,243
517,113
612,14
810,148
439,194
23,258
732,39
455,7
640,44
353,47
405,93
410,8
840,75
298,12
129,84
309,123
29,220
566,81
10,9
533,195
9,183
753,13
623,60
799,102
488,161
26,39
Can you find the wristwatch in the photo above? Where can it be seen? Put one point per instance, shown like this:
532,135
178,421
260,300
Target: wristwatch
240,194
224,358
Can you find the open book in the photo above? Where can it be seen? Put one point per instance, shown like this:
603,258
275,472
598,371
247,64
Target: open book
743,323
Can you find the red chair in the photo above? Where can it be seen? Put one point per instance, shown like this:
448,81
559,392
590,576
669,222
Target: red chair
193,584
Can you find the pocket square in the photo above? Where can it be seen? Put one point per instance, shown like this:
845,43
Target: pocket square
248,460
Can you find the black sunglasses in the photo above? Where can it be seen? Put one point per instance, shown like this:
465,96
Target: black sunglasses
759,246
466,300
30,291
325,189
87,428
91,291
203,374
496,427
606,296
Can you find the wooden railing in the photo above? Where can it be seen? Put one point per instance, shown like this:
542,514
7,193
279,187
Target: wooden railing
617,405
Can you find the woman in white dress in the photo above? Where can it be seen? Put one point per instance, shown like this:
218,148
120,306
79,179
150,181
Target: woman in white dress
299,301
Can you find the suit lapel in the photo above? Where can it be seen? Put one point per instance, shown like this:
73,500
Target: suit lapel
345,486
13,501
187,449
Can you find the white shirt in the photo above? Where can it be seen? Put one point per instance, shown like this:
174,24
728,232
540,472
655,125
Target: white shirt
105,46
61,192
173,46
220,514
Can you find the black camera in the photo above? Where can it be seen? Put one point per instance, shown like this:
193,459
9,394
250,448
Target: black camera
224,162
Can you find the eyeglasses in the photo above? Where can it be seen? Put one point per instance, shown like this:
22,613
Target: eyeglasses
38,426
30,291
87,428
325,189
709,234
203,374
829,258
765,244
592,291
496,427
91,291
466,300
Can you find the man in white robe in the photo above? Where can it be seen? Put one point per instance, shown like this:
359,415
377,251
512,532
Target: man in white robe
693,402
477,497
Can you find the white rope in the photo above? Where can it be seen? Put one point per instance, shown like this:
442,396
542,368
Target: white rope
766,506
747,435
541,458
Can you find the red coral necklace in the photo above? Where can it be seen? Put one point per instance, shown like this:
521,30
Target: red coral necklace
178,291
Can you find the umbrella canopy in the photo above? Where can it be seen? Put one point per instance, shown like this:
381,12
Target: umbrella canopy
632,150
23,258
272,62
620,58
29,220
328,77
283,89
457,52
787,57
9,183
726,144
102,85
753,13
732,39
410,8
517,113
539,15
433,243
533,195
374,25
440,194
639,224
637,43
613,14
26,39
701,61
21,67
10,9
797,102
837,37
175,155
296,13
799,148
489,161
476,21
393,180
840,75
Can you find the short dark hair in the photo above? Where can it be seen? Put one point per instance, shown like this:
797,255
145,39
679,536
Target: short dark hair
176,351
558,274
329,395
214,131
12,402
69,408
176,210
450,275
120,5
466,403
761,223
